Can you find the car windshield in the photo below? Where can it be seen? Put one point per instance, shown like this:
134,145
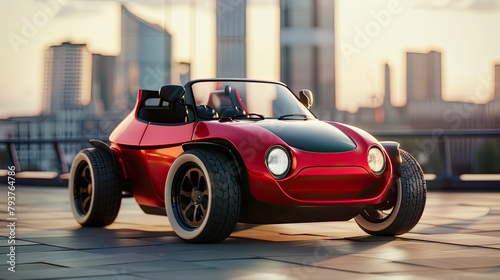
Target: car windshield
249,99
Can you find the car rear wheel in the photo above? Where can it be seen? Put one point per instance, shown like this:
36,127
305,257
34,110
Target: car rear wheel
404,205
202,196
94,191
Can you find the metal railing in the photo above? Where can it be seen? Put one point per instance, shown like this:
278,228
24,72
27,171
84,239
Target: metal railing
36,177
446,179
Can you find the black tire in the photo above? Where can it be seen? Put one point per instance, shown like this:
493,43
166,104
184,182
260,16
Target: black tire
202,196
404,205
94,190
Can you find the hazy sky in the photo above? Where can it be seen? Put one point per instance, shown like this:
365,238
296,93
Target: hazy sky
369,33
463,30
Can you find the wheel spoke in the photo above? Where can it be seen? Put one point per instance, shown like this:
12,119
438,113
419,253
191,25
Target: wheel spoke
86,204
193,179
83,189
186,184
86,175
192,196
186,209
195,213
185,193
205,193
203,210
200,214
384,213
375,214
388,211
201,181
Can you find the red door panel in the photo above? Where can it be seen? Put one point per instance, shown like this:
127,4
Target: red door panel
167,135
129,131
162,145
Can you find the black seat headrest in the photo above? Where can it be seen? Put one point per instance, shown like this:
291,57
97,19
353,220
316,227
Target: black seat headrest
206,112
232,111
172,93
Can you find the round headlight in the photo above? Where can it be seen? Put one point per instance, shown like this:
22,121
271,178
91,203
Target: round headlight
278,161
376,160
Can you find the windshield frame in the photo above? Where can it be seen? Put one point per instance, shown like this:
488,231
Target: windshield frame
190,98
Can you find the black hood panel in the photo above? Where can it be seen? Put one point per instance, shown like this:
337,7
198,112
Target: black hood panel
311,135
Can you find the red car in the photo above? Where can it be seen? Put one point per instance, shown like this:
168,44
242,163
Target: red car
216,152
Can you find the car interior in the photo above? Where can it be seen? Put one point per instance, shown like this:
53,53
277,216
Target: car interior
225,103
154,109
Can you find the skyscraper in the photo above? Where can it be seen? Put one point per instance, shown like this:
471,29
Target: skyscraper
145,59
497,82
231,38
387,107
67,80
307,50
103,82
423,76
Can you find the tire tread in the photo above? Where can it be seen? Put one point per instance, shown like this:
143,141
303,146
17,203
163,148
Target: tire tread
106,189
226,197
413,198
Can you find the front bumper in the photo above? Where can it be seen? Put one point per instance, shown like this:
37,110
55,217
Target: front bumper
323,179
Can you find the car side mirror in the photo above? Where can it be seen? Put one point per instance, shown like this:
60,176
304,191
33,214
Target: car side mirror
172,93
306,98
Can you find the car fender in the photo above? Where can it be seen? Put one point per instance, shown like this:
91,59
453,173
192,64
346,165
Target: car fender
212,146
392,150
246,140
116,159
103,146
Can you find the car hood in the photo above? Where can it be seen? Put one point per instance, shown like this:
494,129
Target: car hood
310,135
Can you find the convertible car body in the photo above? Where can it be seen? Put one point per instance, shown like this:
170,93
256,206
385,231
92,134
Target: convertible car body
216,152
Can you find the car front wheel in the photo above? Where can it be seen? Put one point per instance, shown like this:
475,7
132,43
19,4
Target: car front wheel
404,205
202,196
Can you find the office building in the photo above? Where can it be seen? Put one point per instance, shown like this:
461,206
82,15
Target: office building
103,83
67,78
307,50
145,59
424,76
231,38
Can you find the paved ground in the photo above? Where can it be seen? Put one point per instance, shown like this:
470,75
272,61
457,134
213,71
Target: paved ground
457,238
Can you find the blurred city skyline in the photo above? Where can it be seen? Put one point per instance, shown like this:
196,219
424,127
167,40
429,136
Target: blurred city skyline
368,35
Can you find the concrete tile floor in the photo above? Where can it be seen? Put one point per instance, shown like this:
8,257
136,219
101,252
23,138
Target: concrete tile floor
457,238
